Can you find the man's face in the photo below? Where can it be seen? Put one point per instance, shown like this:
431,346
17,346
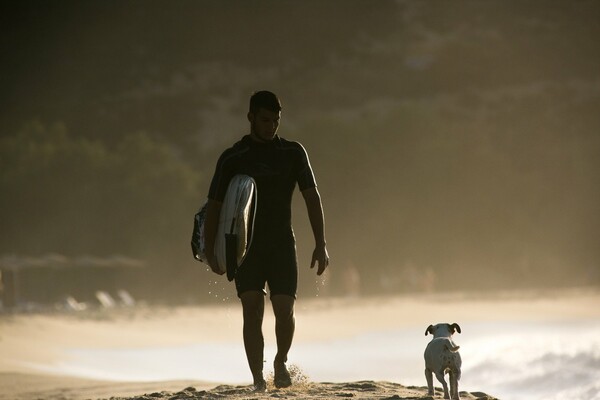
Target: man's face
264,124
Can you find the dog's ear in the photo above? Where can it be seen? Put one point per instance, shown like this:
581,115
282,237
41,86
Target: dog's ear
429,330
456,327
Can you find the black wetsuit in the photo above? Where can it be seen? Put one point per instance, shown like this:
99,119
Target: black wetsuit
276,167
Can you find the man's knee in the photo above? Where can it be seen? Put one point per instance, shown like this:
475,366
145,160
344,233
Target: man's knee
283,306
253,304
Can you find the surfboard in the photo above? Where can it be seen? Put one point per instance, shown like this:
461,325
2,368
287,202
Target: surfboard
236,222
198,248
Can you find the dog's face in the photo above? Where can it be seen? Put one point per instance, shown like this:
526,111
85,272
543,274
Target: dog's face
442,330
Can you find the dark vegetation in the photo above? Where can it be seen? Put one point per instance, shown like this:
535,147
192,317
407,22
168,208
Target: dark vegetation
453,142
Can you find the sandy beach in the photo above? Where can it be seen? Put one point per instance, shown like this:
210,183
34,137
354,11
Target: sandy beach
23,386
38,360
27,386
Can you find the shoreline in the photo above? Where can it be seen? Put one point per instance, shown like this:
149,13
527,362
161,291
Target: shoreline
36,347
35,386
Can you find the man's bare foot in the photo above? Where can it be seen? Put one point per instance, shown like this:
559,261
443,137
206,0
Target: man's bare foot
260,385
282,377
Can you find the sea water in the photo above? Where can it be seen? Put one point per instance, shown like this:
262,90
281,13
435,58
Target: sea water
511,360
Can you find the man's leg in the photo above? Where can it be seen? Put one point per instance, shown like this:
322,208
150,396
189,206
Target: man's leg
253,303
285,325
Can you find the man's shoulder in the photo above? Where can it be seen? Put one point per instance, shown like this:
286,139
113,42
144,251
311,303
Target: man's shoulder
291,145
239,147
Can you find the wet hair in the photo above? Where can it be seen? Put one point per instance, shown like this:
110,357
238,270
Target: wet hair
264,99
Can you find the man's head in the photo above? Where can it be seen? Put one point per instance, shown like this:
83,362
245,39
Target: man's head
264,115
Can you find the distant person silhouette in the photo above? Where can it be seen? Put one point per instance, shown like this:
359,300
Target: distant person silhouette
276,165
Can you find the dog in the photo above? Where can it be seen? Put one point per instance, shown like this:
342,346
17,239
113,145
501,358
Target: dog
441,356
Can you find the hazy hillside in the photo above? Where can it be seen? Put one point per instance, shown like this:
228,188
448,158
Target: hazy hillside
461,138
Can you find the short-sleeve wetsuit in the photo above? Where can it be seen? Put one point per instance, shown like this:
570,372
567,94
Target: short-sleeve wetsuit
276,167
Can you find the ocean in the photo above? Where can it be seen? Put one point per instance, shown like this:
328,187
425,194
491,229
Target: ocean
550,360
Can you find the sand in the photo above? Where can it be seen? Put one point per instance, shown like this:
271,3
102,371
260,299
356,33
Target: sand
323,390
33,339
30,386
22,386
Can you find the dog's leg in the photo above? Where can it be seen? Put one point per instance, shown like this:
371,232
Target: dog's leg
453,385
429,377
440,377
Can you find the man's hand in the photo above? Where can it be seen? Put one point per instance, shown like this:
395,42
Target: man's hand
317,222
320,257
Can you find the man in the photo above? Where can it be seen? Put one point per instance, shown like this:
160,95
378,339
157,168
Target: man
276,165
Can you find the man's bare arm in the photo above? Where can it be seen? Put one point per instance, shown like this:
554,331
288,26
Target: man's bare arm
312,198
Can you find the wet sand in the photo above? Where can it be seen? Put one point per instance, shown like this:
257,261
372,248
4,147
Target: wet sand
29,386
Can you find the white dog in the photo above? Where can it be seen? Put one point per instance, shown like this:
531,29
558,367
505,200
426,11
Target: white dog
441,356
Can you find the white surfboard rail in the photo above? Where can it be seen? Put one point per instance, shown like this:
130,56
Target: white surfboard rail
236,224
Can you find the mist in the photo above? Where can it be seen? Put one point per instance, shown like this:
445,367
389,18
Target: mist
455,146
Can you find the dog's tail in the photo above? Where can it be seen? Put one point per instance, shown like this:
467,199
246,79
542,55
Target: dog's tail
450,345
